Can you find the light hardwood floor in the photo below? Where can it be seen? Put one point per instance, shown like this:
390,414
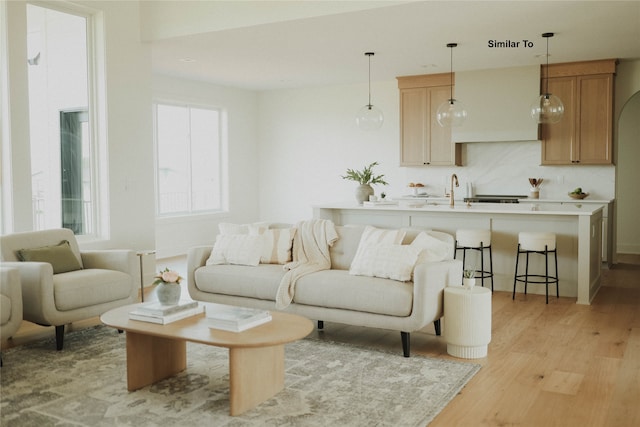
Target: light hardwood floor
560,364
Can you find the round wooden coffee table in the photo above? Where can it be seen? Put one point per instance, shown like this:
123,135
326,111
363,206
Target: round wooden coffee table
256,356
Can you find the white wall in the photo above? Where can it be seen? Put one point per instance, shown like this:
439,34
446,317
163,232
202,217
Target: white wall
308,138
176,235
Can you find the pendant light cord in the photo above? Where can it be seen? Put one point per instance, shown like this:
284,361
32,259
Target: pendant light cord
370,78
451,46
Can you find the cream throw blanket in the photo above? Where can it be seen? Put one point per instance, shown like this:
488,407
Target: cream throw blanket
310,254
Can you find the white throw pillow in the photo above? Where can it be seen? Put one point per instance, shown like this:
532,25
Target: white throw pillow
387,261
243,249
276,244
433,249
229,228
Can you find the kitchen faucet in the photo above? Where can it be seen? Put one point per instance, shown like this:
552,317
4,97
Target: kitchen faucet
453,177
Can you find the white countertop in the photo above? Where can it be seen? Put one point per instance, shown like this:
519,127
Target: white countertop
442,205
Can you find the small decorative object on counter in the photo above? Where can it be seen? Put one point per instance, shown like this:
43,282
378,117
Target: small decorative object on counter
535,187
578,194
168,290
365,178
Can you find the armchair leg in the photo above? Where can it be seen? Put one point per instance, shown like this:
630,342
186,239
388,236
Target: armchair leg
406,341
59,337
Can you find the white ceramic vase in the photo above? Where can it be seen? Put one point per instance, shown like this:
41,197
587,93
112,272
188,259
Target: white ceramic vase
168,293
363,192
469,283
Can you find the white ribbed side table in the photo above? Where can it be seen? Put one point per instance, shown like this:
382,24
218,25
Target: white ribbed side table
467,321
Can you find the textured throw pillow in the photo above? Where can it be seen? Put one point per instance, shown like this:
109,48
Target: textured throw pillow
433,249
241,249
229,228
276,244
387,261
60,256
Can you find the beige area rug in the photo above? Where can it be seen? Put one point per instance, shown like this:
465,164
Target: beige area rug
326,384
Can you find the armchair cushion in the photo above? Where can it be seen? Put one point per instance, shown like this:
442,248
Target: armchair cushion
89,287
60,256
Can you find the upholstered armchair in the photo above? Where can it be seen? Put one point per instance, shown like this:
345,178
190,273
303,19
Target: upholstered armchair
10,303
60,284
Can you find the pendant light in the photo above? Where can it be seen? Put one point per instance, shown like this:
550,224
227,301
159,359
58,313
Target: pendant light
451,112
369,117
547,108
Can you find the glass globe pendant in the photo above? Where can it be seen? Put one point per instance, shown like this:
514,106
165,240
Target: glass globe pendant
547,108
451,112
369,117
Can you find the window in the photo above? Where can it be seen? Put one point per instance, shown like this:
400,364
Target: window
189,168
61,138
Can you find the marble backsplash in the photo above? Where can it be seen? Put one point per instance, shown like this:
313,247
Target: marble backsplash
504,168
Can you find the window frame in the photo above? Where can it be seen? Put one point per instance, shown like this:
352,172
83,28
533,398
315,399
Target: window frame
222,170
96,111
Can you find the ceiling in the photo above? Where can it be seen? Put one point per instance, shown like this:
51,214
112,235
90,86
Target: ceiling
264,45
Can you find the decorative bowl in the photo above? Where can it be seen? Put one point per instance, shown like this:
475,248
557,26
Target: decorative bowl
578,196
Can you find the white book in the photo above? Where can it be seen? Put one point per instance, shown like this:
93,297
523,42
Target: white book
163,320
235,327
234,316
158,309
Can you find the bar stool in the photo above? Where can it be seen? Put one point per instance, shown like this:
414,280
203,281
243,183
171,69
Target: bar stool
477,240
538,243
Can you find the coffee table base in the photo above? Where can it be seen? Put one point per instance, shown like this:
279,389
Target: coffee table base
255,373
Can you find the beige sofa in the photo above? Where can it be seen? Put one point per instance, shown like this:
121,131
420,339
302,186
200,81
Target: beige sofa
335,295
95,281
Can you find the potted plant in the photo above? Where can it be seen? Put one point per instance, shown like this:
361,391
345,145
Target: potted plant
365,178
469,278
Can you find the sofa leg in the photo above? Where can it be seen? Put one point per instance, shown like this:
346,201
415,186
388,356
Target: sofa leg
406,343
436,325
59,337
320,324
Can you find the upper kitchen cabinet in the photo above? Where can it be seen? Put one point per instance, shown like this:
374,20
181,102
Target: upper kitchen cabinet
584,135
423,142
498,102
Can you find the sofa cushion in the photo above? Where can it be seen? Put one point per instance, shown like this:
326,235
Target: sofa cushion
344,249
259,282
60,256
386,261
91,286
240,249
338,289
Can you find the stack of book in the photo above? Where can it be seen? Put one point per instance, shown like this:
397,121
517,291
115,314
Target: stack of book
235,319
155,312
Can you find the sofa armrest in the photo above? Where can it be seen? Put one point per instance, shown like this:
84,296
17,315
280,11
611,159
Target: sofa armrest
429,281
36,279
10,287
123,260
196,258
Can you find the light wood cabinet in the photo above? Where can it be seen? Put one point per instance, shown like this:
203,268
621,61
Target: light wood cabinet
585,133
423,142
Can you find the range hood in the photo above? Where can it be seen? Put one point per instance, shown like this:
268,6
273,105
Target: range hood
498,102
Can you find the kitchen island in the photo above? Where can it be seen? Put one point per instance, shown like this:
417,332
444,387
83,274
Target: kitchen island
578,229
